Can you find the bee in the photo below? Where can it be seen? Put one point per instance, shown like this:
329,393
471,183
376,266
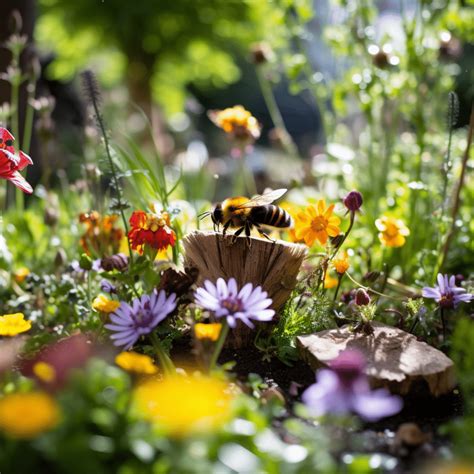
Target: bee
243,214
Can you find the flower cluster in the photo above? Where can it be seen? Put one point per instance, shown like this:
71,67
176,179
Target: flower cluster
131,321
101,236
238,123
392,232
225,300
344,388
151,230
317,223
446,293
11,163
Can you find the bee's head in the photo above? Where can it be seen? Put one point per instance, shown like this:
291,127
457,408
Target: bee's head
217,214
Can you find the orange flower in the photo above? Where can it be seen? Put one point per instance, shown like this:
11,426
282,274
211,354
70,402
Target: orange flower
209,331
330,281
392,231
317,223
341,264
152,230
237,122
100,237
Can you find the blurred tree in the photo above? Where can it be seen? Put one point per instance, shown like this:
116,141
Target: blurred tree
158,46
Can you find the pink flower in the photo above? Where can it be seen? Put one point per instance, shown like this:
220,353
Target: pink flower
11,164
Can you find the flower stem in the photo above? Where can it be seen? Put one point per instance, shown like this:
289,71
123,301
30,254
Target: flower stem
339,280
275,113
165,361
457,193
443,322
219,345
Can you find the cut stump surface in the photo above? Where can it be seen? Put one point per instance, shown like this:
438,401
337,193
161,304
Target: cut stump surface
396,360
272,265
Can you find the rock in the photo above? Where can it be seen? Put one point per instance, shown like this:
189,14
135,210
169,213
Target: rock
396,360
411,435
272,265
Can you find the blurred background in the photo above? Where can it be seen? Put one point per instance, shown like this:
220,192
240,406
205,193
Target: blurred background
172,61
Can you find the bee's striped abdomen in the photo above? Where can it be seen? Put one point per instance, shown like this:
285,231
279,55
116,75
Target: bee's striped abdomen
271,215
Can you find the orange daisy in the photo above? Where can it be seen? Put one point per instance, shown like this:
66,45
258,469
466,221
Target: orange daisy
317,223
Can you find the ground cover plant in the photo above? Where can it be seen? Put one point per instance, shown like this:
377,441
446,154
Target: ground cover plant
188,287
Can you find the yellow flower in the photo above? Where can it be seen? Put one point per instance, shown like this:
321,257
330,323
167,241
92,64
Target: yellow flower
330,281
317,223
26,415
20,274
44,371
341,264
209,331
182,406
392,231
237,122
136,363
13,324
104,304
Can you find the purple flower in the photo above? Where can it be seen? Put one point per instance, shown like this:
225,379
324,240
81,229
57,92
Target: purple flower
446,293
226,301
344,388
140,317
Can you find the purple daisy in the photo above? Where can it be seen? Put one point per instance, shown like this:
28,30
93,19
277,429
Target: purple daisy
131,321
226,301
446,293
344,388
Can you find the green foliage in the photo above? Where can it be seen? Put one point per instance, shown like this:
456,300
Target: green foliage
300,316
462,354
169,44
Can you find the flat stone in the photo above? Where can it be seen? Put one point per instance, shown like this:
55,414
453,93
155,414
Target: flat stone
396,360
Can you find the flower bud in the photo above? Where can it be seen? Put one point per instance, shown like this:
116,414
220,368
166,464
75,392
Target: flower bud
261,53
362,298
85,262
118,262
353,201
15,22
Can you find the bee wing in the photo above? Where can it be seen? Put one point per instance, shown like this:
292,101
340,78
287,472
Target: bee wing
263,199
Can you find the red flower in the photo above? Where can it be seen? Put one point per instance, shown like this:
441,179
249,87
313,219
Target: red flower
11,164
152,230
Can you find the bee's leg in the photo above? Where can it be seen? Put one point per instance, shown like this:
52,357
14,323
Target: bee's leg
248,228
237,233
226,226
260,231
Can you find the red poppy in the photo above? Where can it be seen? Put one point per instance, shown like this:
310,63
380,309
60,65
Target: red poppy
11,164
152,230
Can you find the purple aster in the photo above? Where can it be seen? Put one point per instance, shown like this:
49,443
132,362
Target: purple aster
446,293
226,301
344,388
131,321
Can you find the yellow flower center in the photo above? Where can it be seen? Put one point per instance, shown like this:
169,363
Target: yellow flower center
319,223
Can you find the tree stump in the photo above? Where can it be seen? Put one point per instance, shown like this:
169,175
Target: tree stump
272,265
396,360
